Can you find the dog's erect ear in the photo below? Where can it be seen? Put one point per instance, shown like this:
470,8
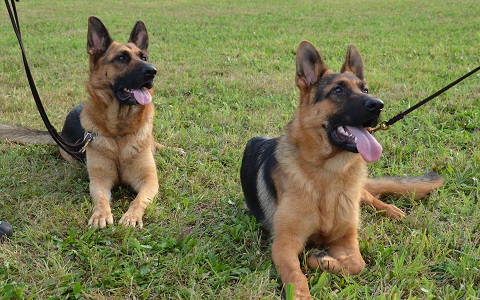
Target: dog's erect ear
310,66
353,62
139,35
98,39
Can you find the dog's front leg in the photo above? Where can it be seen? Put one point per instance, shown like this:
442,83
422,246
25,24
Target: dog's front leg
102,214
143,179
285,250
103,176
100,190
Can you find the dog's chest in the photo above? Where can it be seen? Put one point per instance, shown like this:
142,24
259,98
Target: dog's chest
121,148
338,210
330,200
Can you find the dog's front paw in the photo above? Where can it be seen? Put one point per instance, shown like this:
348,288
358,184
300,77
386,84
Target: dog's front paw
299,285
321,259
315,258
131,219
101,219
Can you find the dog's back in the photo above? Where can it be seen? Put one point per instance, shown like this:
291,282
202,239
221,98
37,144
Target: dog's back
258,165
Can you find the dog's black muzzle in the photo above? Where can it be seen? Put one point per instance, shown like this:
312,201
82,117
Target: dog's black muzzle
149,73
360,111
371,111
142,76
374,105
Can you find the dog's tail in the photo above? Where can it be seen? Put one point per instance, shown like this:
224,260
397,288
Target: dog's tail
23,135
419,186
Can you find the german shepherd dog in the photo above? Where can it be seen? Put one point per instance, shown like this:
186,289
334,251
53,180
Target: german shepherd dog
119,114
306,186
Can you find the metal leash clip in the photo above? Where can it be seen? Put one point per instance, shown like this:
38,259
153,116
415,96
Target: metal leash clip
87,139
382,126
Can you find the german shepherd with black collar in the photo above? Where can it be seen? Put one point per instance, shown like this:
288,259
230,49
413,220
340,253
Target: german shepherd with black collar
306,186
119,114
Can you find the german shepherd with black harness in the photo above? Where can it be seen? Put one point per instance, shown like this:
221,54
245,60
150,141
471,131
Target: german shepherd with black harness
119,115
306,186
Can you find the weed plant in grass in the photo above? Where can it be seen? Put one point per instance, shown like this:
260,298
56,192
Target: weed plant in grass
225,74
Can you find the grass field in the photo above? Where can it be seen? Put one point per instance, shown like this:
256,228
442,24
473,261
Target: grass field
226,73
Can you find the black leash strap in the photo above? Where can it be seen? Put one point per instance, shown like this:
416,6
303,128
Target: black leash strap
66,146
386,124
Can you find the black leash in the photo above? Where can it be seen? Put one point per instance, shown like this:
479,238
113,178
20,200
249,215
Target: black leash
66,146
386,124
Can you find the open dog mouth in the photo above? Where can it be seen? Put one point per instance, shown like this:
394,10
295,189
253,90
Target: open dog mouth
357,139
135,96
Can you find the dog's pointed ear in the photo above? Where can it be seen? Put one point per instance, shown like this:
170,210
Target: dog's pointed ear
310,66
98,38
139,35
353,62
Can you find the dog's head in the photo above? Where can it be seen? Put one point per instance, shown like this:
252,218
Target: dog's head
337,106
122,70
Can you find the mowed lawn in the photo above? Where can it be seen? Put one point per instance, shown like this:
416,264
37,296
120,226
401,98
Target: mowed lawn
226,73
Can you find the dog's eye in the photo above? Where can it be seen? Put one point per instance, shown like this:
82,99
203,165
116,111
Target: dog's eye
122,58
365,90
337,90
143,57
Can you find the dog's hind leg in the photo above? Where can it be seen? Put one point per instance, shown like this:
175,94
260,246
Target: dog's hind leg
161,146
389,210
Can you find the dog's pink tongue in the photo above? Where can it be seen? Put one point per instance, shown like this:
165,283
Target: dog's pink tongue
367,145
142,96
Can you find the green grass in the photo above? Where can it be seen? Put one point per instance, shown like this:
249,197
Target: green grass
226,73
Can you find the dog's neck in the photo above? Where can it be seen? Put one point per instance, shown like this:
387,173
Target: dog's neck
115,119
316,151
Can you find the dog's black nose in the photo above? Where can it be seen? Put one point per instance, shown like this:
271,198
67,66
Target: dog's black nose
149,71
374,104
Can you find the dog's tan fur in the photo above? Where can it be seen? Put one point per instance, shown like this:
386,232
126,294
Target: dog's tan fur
318,187
122,152
123,147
